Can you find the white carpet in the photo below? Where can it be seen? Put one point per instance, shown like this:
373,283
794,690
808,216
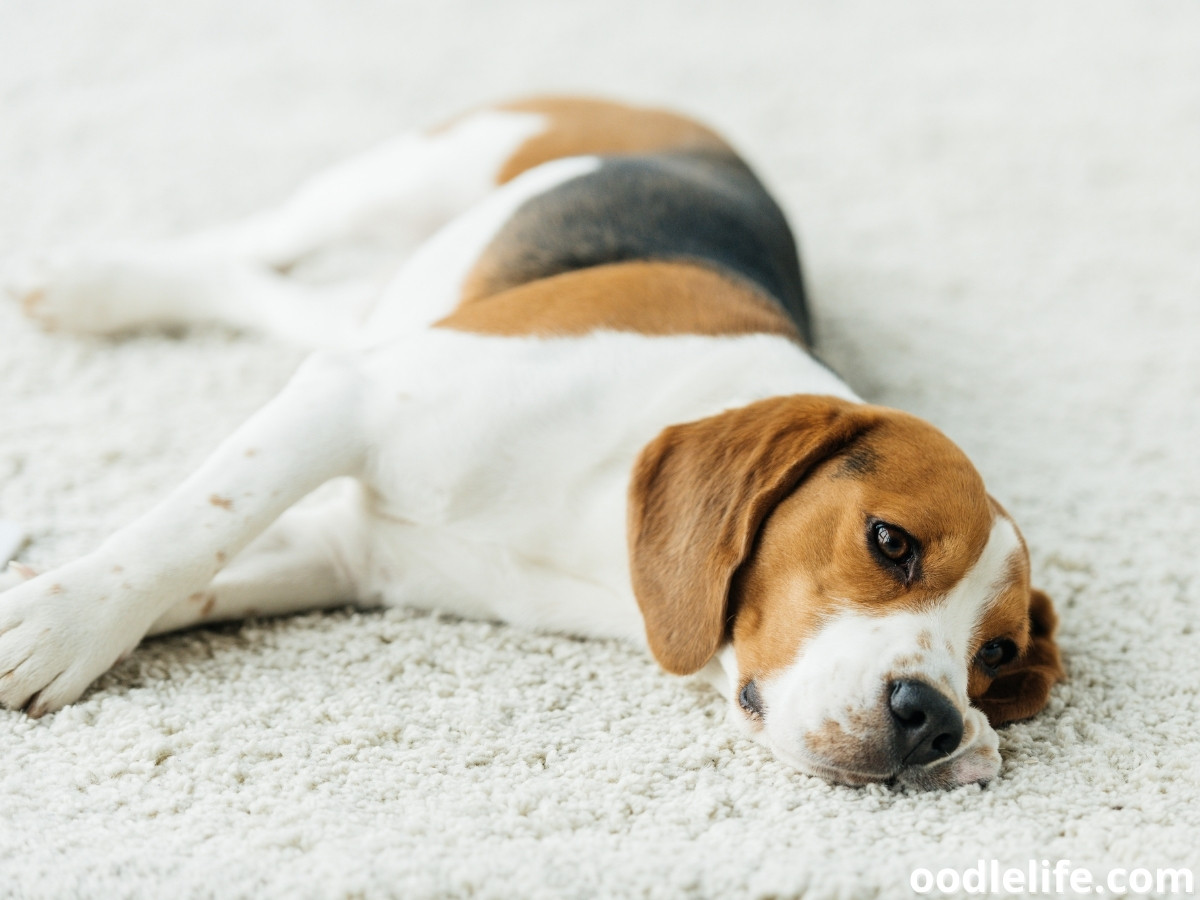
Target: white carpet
998,209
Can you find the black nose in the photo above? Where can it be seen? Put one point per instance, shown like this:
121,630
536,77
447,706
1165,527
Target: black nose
927,725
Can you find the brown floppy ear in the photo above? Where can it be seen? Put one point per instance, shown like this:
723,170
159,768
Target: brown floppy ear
698,496
1024,687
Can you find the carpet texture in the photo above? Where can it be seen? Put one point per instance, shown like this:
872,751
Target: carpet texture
997,204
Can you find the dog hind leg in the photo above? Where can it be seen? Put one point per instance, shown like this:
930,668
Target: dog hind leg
393,197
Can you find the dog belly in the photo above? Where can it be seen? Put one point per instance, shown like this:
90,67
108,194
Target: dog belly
443,569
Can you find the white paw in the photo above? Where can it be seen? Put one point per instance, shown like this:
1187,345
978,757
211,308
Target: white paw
105,290
58,633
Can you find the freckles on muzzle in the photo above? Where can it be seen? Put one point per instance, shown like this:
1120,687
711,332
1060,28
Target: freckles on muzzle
911,725
879,699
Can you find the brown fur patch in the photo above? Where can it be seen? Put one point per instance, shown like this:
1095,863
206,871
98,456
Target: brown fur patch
582,127
859,750
686,198
223,502
698,495
812,557
644,297
906,663
1024,615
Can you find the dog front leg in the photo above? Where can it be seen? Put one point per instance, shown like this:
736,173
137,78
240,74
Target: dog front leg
309,559
62,629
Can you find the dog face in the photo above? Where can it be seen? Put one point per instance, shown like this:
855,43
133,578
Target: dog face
870,600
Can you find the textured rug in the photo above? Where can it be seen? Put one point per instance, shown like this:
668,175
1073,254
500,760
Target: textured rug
997,204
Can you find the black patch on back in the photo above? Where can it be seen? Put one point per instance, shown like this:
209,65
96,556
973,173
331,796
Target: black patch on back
697,206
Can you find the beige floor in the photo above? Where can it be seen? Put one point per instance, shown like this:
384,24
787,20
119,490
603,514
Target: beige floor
998,210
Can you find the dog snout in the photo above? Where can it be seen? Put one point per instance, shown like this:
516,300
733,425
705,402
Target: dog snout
926,725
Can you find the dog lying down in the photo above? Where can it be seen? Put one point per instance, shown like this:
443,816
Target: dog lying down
585,402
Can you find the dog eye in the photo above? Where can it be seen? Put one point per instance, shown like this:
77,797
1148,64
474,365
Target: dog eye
751,700
996,653
892,542
894,548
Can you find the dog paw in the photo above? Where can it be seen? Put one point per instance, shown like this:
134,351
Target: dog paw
72,291
58,633
101,291
21,281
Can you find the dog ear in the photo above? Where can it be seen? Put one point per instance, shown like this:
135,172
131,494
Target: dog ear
698,496
1024,687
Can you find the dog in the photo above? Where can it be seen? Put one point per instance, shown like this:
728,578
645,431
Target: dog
586,402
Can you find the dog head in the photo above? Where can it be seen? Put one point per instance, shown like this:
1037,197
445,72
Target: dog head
868,599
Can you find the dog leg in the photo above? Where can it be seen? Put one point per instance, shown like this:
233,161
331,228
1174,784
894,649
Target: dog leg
393,197
306,560
112,290
13,574
396,194
62,629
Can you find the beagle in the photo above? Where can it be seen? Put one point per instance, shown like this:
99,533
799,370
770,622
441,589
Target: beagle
584,401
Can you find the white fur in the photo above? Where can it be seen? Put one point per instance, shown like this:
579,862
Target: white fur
841,674
429,285
518,511
12,538
457,439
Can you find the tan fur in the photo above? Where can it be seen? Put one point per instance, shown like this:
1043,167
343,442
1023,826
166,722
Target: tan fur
583,127
812,553
698,495
867,759
749,523
922,482
753,523
1023,687
645,297
1026,616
